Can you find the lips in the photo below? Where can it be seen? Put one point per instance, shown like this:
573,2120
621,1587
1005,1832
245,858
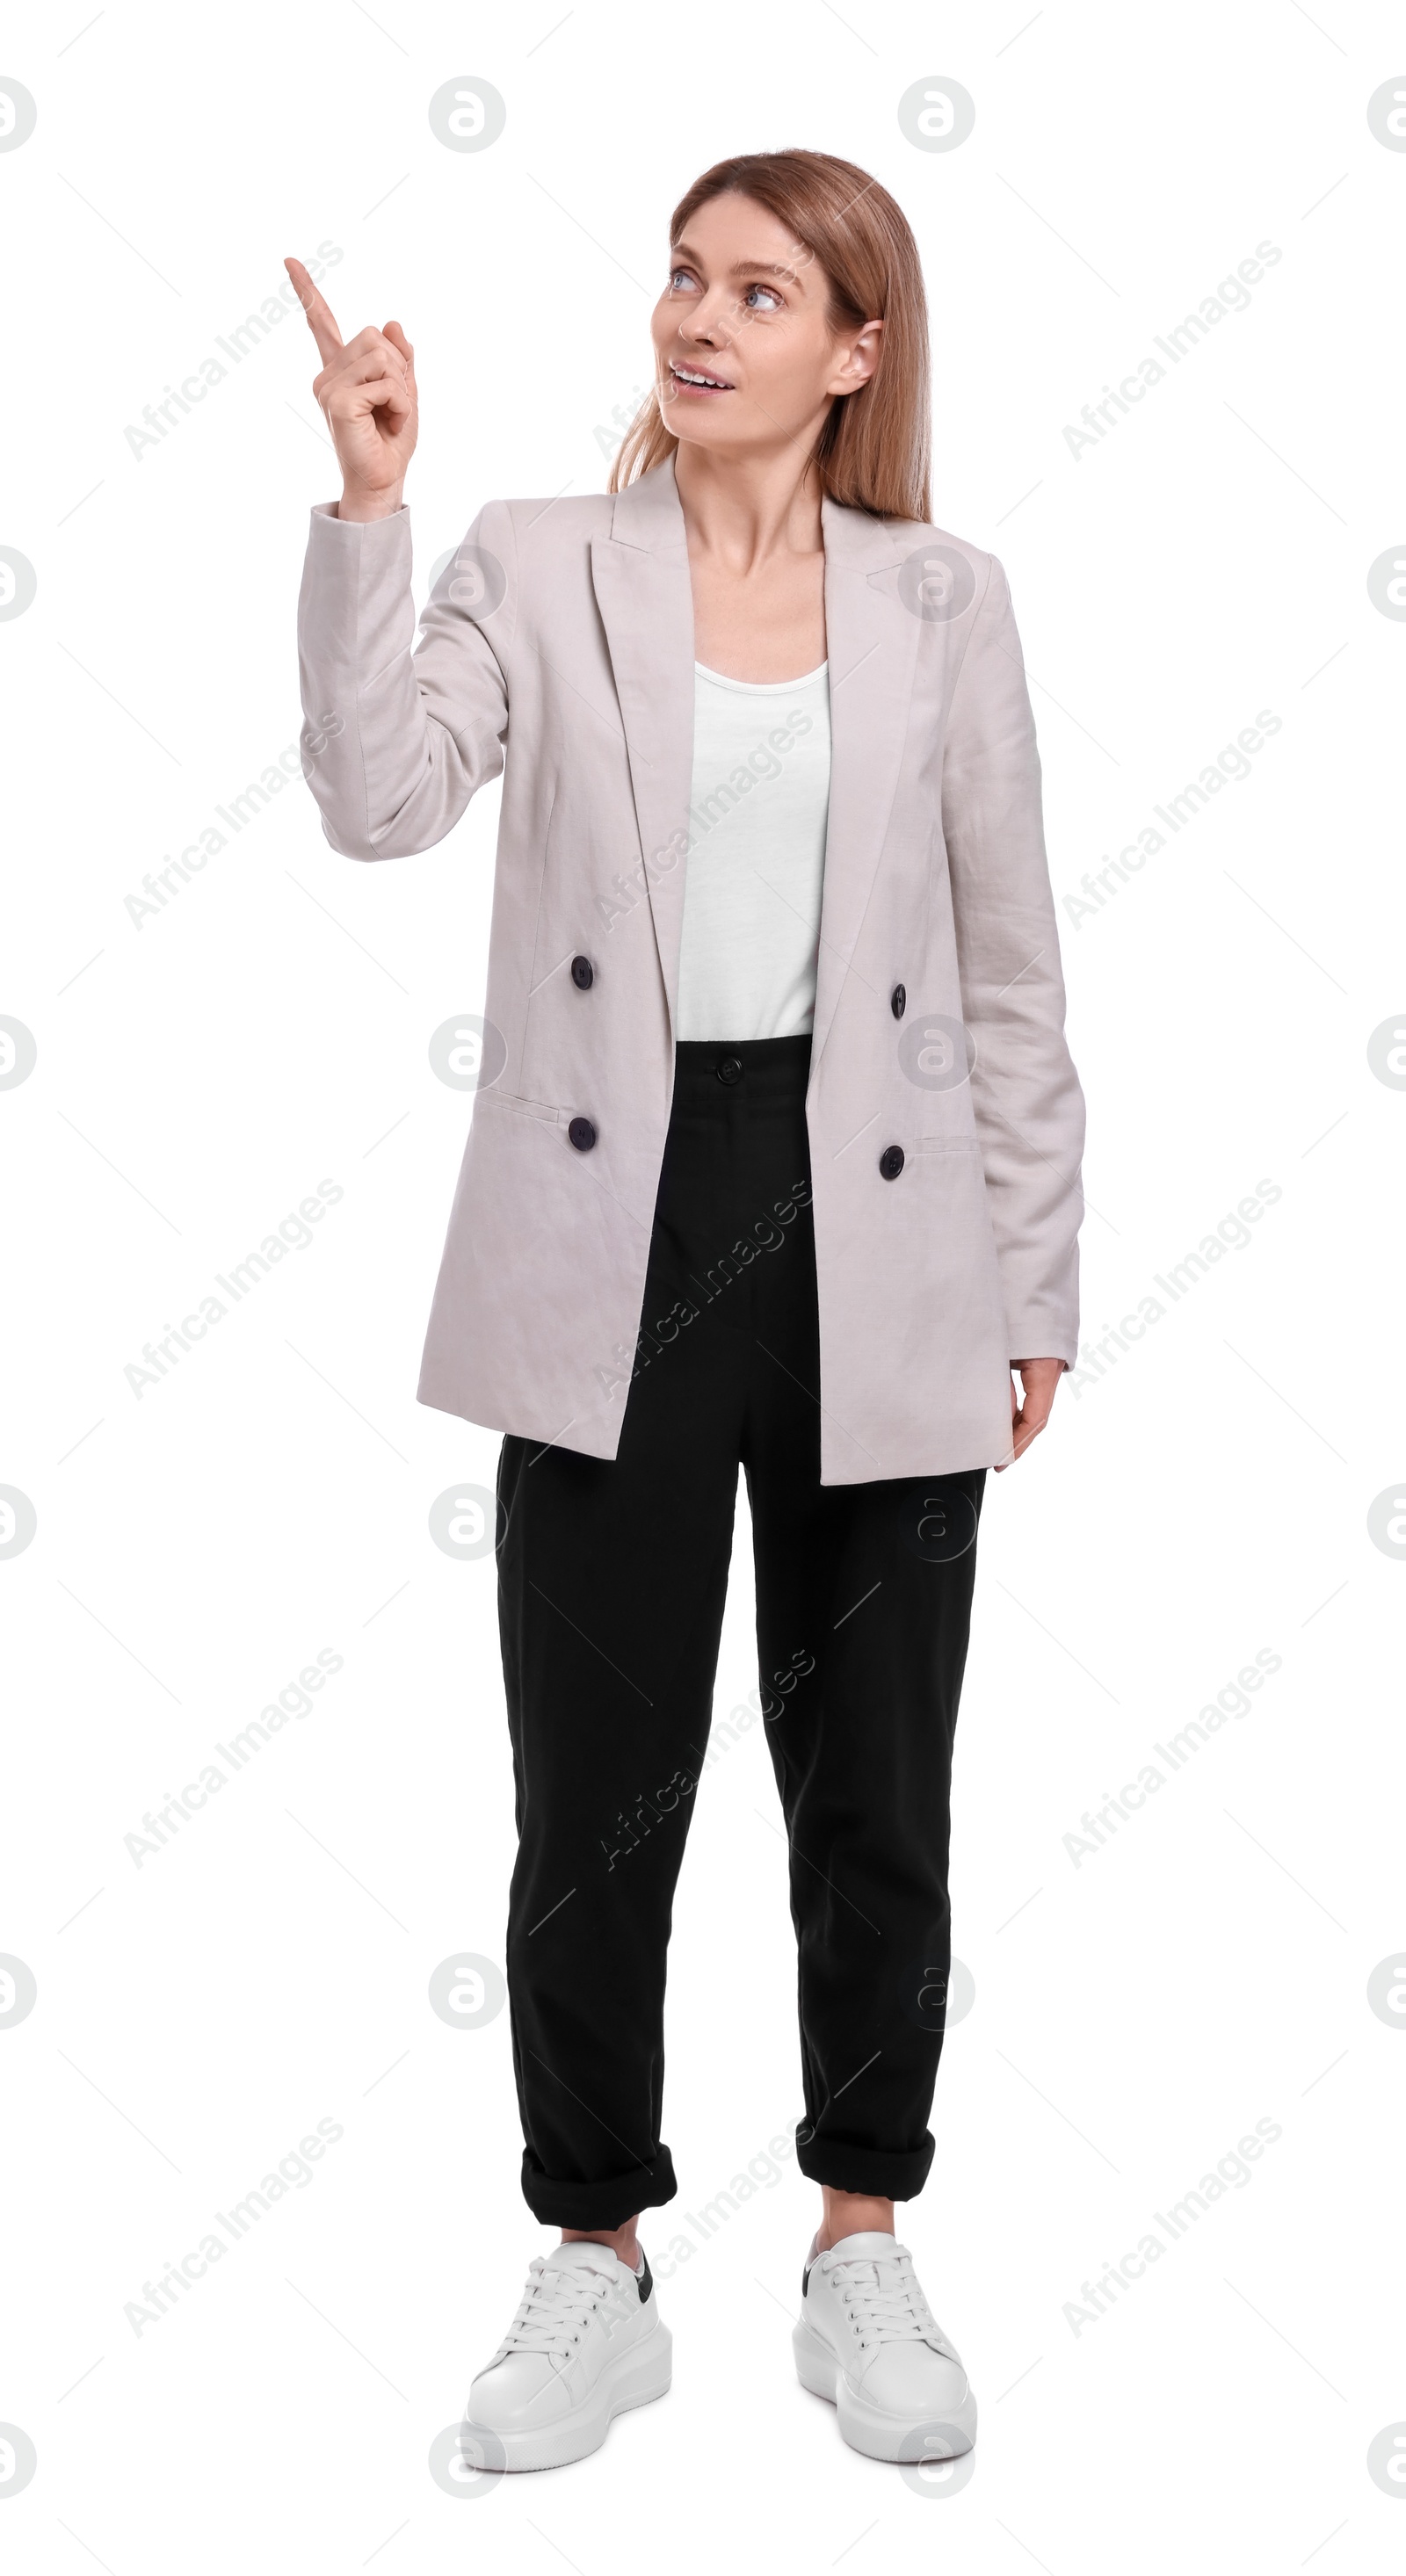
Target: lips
695,380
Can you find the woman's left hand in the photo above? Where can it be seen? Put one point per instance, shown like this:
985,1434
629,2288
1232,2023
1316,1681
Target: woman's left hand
1038,1379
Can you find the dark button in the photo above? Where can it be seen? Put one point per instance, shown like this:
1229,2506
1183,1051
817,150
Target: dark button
583,974
583,1135
898,1001
891,1162
729,1070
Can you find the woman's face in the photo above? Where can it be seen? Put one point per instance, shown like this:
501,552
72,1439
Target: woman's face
746,359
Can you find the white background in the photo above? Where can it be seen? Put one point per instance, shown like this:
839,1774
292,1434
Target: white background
1205,1498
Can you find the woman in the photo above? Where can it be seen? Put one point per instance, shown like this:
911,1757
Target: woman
774,1162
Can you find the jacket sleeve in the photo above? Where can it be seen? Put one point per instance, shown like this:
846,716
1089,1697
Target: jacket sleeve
394,744
1025,1092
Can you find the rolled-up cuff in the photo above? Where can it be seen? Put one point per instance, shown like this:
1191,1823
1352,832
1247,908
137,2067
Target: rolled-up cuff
332,510
597,2204
880,2172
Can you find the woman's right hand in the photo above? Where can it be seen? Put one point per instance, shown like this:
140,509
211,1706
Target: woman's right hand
367,390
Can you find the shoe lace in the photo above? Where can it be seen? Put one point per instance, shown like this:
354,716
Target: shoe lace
555,2309
887,2301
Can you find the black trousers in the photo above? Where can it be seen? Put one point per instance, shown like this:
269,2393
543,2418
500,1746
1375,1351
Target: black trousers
612,1576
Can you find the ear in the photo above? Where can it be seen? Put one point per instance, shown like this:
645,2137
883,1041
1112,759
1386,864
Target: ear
858,358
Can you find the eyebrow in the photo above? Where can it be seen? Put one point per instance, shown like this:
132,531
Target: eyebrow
741,267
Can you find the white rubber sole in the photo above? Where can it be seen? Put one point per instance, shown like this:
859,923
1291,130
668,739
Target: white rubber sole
869,2429
636,2378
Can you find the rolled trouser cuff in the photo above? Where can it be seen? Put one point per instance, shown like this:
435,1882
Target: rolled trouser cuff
597,2205
880,2172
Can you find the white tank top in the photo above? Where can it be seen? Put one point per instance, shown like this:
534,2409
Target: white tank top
756,856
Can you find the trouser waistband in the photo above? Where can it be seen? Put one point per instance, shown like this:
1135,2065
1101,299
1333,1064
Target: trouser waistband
768,1072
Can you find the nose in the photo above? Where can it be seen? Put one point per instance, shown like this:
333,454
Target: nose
708,320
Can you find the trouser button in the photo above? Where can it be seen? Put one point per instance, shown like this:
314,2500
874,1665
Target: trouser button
891,1162
729,1070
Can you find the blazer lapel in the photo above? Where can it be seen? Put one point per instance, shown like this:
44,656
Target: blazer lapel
645,597
642,586
872,646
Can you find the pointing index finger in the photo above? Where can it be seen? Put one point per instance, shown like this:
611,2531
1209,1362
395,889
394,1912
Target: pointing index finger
319,313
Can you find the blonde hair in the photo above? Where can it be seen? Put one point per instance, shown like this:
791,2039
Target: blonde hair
874,451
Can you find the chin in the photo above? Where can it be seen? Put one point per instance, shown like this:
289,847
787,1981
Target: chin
696,433
691,425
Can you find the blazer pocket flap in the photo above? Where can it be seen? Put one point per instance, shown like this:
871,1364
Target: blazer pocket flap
545,1110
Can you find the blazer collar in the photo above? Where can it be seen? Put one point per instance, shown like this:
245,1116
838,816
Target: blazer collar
649,515
641,578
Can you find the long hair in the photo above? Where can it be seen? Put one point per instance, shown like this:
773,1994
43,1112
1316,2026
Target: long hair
875,448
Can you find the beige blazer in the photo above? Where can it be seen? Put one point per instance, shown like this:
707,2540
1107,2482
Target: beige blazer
557,648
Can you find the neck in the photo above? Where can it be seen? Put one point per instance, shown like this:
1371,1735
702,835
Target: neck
744,509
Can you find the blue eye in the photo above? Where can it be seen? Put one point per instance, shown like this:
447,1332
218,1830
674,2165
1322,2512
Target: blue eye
676,273
763,290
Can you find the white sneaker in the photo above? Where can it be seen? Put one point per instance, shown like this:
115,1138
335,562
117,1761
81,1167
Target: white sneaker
587,2343
869,2342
